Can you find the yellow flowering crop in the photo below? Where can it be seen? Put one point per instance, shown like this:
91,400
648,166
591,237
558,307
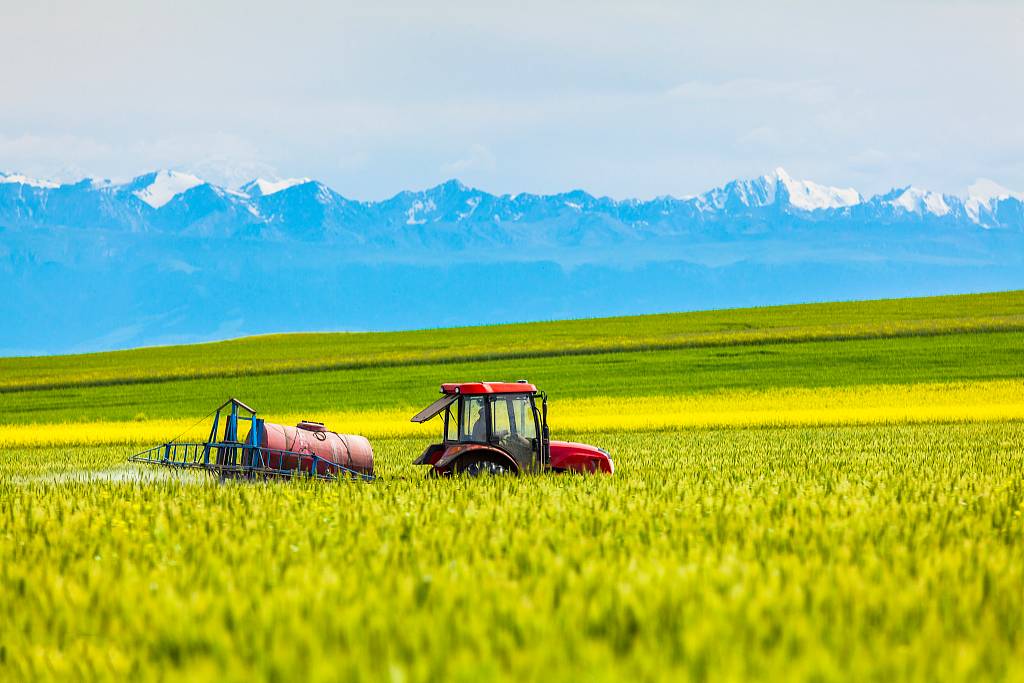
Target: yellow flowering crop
872,404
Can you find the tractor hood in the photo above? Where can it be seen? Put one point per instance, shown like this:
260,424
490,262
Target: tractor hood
580,457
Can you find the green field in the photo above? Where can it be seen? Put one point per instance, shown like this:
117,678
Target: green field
833,552
306,353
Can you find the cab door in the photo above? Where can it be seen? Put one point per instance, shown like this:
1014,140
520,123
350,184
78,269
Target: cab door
514,428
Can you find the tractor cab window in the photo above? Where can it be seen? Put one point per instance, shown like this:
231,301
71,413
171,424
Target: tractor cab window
513,415
473,426
513,426
527,416
451,422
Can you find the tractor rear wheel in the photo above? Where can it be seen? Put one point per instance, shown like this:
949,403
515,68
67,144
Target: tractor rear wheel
483,468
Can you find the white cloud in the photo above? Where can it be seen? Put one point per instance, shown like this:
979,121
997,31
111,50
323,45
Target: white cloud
226,159
477,159
810,92
870,160
230,172
762,136
53,157
665,97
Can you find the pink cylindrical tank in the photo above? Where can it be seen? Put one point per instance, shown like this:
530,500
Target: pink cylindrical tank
312,438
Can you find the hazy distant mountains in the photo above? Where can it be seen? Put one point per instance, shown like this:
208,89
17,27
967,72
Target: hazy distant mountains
168,257
457,217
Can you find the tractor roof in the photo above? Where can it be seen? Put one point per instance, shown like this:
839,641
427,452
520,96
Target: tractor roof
521,387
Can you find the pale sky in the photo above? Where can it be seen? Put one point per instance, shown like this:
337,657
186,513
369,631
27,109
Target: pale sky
627,99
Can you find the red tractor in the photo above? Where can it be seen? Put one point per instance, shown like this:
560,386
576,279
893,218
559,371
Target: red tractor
497,428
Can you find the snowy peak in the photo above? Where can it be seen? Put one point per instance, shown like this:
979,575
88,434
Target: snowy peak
986,190
18,179
261,187
738,194
918,201
778,188
982,197
810,196
156,189
450,186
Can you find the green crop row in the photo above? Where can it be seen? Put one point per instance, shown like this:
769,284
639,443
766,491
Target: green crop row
821,554
302,353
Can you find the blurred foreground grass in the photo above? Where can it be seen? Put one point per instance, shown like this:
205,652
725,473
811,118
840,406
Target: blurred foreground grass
827,553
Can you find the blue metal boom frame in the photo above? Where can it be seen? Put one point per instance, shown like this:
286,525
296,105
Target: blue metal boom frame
235,459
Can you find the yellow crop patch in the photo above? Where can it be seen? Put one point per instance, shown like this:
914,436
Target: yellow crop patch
872,404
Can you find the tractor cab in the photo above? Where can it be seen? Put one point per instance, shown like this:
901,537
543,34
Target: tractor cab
497,428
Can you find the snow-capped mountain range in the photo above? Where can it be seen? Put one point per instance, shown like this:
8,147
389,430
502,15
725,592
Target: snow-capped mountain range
168,257
451,213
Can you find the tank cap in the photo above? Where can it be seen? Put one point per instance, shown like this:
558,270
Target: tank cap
310,426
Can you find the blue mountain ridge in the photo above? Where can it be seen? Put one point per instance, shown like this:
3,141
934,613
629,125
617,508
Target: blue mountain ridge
168,257
452,214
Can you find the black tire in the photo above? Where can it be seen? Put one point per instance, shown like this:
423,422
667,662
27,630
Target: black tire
483,468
